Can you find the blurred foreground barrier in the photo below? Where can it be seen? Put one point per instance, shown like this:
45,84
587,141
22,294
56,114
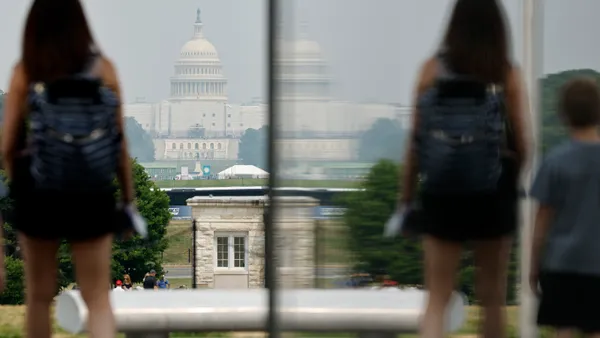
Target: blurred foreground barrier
154,314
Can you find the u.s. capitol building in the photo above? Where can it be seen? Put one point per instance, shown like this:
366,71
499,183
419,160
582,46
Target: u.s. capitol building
197,121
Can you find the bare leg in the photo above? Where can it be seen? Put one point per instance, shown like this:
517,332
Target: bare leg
41,268
92,266
491,260
441,262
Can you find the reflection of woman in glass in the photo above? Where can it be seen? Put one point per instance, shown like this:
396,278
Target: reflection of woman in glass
475,45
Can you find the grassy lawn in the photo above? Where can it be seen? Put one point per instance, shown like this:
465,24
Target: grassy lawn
12,317
179,235
257,182
177,282
332,244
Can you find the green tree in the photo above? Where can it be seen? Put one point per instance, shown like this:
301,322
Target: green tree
141,145
553,133
10,236
367,211
384,140
253,145
138,255
14,293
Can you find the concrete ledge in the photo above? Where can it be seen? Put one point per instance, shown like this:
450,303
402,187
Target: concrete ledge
366,311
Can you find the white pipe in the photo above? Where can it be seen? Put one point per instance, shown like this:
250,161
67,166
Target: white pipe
532,29
246,310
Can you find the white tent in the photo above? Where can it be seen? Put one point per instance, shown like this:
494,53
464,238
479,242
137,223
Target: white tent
243,171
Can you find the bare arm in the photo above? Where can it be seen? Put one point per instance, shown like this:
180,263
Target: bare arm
543,218
519,116
111,80
14,112
408,182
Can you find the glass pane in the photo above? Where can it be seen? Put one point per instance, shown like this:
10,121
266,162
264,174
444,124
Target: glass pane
239,249
222,252
345,84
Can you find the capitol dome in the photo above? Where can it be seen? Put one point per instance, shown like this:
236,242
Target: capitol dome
302,48
302,71
198,71
198,49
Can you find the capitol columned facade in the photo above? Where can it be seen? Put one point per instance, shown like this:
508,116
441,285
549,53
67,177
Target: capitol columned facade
198,114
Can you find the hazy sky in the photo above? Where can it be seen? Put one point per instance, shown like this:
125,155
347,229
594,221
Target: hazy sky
374,47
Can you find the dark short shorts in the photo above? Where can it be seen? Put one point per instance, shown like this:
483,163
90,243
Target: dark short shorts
569,300
469,217
473,217
56,215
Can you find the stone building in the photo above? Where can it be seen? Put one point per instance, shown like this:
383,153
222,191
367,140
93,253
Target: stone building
196,149
230,241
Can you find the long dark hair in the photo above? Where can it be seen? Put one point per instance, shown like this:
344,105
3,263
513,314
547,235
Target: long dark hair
476,42
57,40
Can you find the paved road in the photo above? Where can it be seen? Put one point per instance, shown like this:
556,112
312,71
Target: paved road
322,272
